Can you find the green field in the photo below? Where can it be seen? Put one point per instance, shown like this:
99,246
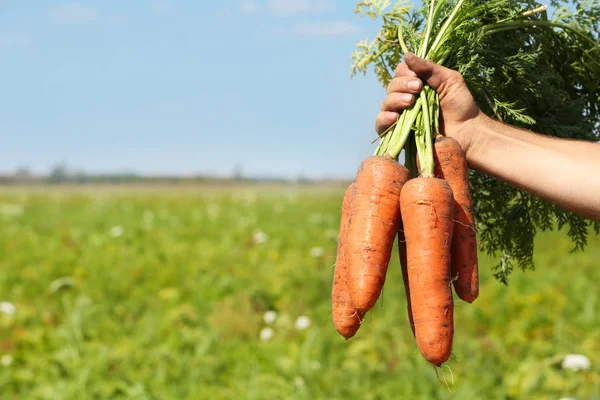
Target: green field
160,294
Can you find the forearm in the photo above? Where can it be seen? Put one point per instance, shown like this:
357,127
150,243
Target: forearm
564,172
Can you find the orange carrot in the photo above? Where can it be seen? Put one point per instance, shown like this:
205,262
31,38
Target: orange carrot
403,265
451,165
428,217
374,220
346,318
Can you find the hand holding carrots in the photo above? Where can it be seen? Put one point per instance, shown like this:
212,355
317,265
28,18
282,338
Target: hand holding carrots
460,115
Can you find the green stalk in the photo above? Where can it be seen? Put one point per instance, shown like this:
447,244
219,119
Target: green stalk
383,145
401,38
505,26
436,116
444,28
425,144
403,130
410,153
425,44
434,107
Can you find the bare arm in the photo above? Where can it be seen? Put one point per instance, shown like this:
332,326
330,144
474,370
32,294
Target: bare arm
563,172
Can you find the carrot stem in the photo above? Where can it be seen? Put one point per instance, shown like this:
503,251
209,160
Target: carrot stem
442,33
423,50
403,130
401,38
410,153
424,144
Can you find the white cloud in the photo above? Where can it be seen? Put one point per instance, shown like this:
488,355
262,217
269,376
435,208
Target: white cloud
291,7
73,13
326,29
161,6
10,40
249,6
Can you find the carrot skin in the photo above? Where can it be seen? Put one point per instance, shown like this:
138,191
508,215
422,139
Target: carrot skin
404,267
451,165
428,218
375,217
346,318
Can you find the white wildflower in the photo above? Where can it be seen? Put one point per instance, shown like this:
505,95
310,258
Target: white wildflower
567,398
302,323
11,210
270,317
259,237
6,360
266,334
116,231
148,217
7,308
317,252
299,382
332,234
576,362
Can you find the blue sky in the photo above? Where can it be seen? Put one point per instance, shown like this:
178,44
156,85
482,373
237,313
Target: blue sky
185,87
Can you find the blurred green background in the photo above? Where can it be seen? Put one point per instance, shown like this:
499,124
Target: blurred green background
223,293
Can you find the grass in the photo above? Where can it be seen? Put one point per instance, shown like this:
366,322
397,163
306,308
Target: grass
161,295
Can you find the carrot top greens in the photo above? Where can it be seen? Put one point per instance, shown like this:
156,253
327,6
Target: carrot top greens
524,67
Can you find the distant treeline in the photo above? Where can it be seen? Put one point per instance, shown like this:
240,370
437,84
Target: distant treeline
133,179
60,175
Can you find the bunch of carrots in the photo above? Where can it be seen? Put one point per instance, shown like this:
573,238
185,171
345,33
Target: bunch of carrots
432,217
429,208
427,203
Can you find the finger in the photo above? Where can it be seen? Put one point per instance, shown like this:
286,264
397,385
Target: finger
405,84
384,120
397,101
433,74
404,70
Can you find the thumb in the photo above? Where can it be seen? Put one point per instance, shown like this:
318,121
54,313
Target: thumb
433,74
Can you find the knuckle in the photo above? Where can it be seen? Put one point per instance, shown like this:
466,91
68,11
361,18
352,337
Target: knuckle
456,77
390,86
384,103
396,85
393,100
379,123
401,69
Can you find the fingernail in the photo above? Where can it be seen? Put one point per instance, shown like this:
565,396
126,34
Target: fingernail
415,84
407,97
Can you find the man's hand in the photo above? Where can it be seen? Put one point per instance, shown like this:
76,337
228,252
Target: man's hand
460,115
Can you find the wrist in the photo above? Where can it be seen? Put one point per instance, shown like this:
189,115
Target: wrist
475,132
